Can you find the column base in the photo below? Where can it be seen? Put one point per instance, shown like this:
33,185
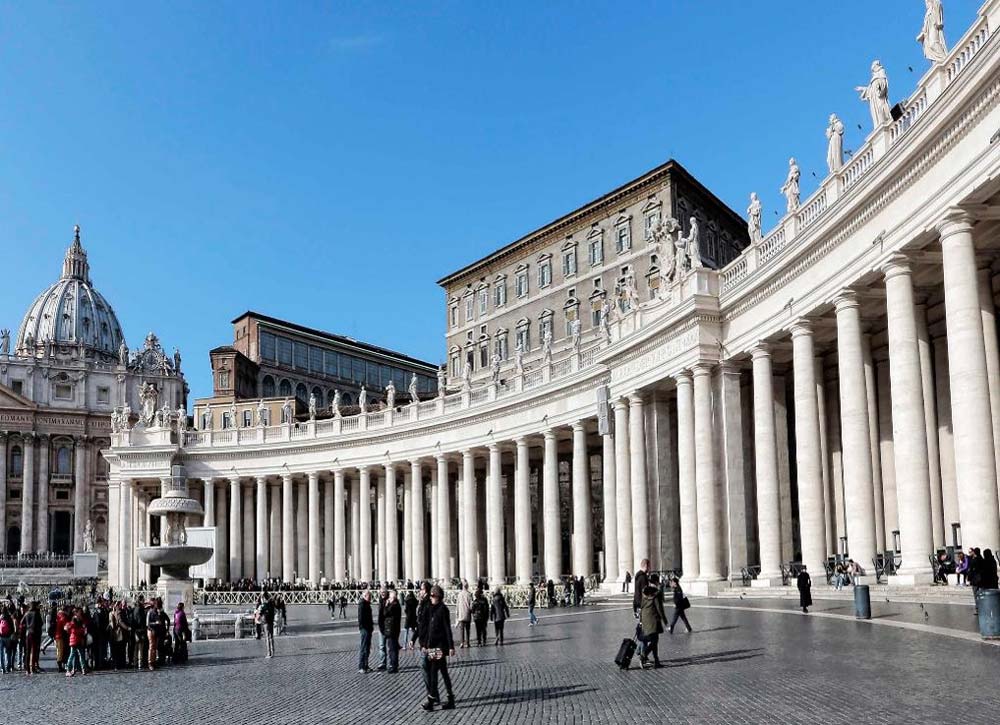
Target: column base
866,579
767,582
705,587
911,579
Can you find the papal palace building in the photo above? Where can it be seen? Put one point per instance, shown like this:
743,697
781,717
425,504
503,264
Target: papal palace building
653,376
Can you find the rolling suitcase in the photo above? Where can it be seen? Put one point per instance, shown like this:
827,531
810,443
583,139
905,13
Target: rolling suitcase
625,654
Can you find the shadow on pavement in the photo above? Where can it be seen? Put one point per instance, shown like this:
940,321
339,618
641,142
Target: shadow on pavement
713,658
527,695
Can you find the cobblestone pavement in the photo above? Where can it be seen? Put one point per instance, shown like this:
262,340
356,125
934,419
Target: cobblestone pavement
740,666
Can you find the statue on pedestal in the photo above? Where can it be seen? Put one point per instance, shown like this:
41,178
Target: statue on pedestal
5,342
518,358
208,417
177,360
261,413
312,406
390,395
286,411
123,354
495,368
835,144
88,537
412,389
363,400
181,420
442,377
606,320
877,95
574,329
335,404
932,34
791,186
547,346
693,246
665,247
754,218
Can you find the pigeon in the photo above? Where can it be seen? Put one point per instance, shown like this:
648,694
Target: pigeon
742,595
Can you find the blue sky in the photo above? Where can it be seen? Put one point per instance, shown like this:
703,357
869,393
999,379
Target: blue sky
328,162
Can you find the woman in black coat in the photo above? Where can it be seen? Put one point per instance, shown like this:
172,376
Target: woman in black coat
499,614
988,571
480,616
410,621
804,583
437,645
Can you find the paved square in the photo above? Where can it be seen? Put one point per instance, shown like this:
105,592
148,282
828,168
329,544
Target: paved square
740,666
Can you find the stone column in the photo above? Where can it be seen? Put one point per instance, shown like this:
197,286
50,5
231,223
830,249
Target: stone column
356,528
522,513
623,487
419,571
80,513
883,533
339,530
3,492
812,530
380,545
248,530
235,533
494,523
826,474
687,481
946,443
329,570
391,525
926,351
766,466
275,536
365,529
287,527
709,551
313,527
302,529
909,431
583,536
28,494
114,521
855,431
125,534
407,524
444,517
550,505
262,535
42,494
209,486
432,537
972,418
470,559
637,476
611,571
221,530
886,456
984,278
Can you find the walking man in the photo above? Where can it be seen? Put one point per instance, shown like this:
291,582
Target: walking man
464,613
267,612
392,621
437,644
641,580
532,619
365,628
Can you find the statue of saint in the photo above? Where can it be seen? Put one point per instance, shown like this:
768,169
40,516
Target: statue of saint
495,367
177,360
335,405
835,144
363,400
4,342
208,418
148,395
390,395
693,247
932,34
877,95
412,390
123,354
754,218
286,412
88,536
312,406
547,345
467,378
518,358
606,320
629,293
182,417
442,377
791,186
574,329
261,413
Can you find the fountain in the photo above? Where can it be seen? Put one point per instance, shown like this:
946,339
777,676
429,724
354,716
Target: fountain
174,556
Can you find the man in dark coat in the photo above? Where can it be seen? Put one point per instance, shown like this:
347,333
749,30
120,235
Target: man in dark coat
499,613
140,644
410,621
437,645
365,628
804,583
392,622
550,590
383,598
480,616
641,580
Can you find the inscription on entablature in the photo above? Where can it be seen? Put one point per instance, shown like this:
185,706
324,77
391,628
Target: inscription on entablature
656,357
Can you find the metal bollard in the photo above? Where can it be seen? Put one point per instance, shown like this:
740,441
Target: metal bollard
989,613
862,602
195,626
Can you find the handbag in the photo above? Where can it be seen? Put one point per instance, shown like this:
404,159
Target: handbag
685,604
90,640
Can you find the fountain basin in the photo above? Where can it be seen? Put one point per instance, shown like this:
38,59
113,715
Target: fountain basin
174,556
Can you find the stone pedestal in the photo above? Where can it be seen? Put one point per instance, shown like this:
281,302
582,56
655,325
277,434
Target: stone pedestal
172,590
767,582
705,588
910,580
86,565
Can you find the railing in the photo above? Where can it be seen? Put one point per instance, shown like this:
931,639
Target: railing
771,245
533,379
735,273
349,424
914,110
562,368
36,561
480,395
813,208
858,166
376,419
452,402
966,52
427,408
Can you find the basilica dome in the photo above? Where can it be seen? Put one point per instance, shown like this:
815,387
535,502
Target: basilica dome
71,315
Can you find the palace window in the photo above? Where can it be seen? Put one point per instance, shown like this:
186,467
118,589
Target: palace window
63,392
315,359
227,422
454,315
285,417
318,394
330,364
268,348
571,311
301,356
650,221
484,300
456,363
522,336
301,393
247,418
484,354
545,326
500,291
544,272
206,420
470,312
284,351
521,282
569,261
16,462
104,395
500,344
17,386
64,461
224,380
285,388
595,243
623,234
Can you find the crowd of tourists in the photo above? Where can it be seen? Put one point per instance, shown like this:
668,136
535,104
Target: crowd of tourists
103,634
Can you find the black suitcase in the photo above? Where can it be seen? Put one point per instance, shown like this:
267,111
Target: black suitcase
625,654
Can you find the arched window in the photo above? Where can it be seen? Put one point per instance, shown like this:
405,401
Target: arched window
319,397
301,393
267,386
16,461
348,399
285,389
330,395
64,461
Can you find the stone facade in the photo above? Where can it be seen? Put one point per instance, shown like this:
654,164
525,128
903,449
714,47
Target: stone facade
832,391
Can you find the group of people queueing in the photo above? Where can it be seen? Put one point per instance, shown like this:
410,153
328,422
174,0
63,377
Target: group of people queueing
648,607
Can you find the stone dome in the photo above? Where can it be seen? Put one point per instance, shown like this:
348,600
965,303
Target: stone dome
71,313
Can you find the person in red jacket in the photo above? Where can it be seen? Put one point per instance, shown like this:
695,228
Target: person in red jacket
77,641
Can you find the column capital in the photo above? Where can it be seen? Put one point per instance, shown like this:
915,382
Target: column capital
801,326
363,469
683,377
619,404
579,426
521,441
760,350
468,455
729,367
634,399
262,479
313,476
286,477
549,434
846,299
955,221
441,457
896,265
701,369
338,472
